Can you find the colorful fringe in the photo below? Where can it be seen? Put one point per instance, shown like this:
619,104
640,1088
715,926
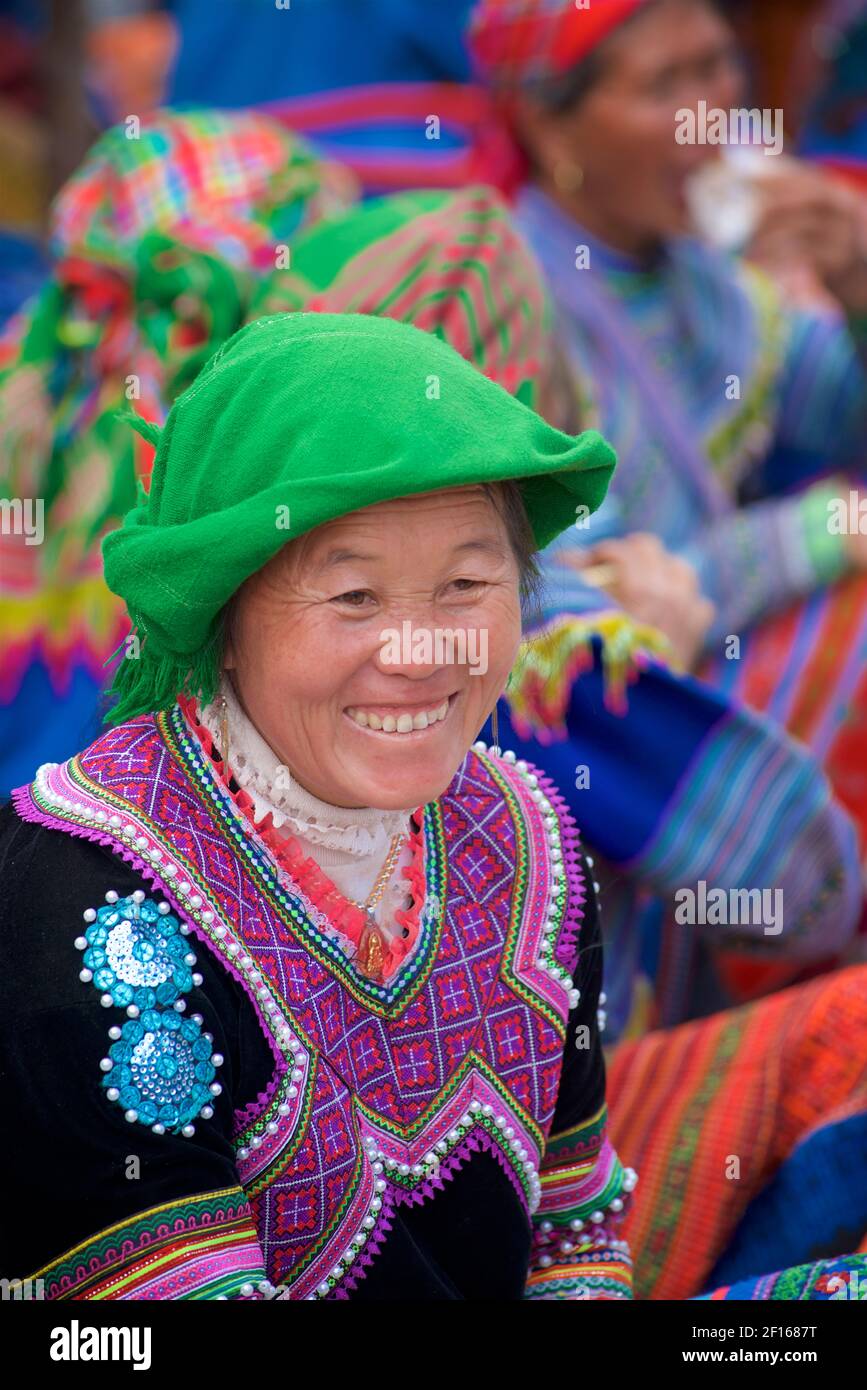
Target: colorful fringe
708,1112
555,655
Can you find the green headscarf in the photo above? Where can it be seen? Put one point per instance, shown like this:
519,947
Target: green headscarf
296,420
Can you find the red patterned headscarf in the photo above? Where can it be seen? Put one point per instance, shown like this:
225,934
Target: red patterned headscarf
515,42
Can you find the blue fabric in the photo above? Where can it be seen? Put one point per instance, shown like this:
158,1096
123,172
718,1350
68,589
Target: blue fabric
249,53
636,759
23,270
42,725
301,65
815,1207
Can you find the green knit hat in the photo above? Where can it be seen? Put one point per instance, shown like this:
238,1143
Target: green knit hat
296,420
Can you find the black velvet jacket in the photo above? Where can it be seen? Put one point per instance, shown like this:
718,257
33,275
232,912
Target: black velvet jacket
72,1166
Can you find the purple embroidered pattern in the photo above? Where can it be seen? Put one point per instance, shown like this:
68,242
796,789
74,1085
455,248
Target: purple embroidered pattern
379,1092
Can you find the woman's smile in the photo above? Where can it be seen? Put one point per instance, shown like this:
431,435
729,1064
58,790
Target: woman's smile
400,719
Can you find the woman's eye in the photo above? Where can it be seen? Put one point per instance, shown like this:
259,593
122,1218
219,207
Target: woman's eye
465,586
355,598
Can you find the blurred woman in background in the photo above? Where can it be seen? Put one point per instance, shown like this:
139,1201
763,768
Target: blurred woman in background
737,422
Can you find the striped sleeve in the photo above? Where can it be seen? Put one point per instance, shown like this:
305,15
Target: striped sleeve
754,561
199,1247
577,1250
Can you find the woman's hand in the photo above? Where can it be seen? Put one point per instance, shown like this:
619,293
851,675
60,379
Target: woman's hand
653,586
810,219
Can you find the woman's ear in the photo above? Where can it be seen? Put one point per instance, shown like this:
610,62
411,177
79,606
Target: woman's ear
545,138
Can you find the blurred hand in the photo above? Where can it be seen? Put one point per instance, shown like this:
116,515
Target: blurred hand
811,219
654,587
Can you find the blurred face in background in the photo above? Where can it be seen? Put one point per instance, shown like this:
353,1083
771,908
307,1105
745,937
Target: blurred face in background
611,159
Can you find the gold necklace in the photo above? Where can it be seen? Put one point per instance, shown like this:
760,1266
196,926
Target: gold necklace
382,878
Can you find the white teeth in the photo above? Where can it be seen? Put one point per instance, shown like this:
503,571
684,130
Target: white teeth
403,724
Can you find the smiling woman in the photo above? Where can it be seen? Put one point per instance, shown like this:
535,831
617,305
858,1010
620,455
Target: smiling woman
387,937
436,562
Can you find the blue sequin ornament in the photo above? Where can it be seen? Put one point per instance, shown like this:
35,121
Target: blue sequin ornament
160,1067
138,955
161,1070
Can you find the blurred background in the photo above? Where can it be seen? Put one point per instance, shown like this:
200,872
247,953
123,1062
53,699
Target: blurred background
91,92
172,171
71,68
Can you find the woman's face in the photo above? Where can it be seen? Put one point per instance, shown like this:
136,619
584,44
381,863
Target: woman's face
346,651
622,132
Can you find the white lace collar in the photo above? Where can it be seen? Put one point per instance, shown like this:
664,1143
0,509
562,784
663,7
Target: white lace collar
335,830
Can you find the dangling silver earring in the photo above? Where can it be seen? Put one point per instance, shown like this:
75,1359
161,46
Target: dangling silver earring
224,732
495,734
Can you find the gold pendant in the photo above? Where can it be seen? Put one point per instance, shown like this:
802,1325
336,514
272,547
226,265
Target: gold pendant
370,957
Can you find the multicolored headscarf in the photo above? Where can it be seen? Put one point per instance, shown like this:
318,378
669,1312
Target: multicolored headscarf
518,42
157,243
450,263
231,183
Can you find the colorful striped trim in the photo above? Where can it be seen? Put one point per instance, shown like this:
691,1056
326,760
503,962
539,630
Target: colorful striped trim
595,1274
576,1249
581,1180
197,1247
585,1138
